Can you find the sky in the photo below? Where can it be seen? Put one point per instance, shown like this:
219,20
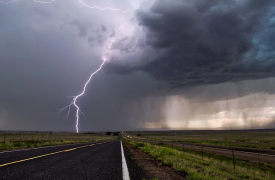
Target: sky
170,64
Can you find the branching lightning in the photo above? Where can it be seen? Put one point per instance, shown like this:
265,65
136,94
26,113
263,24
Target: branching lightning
91,7
9,2
82,93
44,2
103,62
85,86
105,8
74,102
38,1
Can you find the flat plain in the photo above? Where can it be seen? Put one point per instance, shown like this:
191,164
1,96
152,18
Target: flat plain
21,140
262,139
233,154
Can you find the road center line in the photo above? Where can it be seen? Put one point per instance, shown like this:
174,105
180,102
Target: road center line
14,162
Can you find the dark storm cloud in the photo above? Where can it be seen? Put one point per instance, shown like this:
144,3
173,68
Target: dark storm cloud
93,35
47,53
206,42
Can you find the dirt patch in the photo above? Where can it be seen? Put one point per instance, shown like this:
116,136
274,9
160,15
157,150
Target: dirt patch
147,166
136,172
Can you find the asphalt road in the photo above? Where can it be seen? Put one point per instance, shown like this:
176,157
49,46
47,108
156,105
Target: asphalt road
82,161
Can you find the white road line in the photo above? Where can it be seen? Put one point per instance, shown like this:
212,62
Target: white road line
125,172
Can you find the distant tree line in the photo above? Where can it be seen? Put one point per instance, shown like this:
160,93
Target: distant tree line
89,133
108,133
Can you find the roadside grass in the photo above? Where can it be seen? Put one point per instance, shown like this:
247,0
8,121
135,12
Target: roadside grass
14,141
190,164
10,145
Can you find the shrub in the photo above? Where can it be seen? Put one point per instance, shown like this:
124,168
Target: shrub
116,133
18,144
139,144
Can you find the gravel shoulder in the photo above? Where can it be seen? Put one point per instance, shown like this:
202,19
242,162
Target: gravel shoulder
142,166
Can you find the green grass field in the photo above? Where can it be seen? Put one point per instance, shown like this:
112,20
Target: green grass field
262,139
21,140
191,165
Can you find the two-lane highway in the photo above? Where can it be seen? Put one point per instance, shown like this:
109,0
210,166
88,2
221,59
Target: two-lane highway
82,161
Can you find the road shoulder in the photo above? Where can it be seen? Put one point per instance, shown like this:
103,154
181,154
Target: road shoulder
142,166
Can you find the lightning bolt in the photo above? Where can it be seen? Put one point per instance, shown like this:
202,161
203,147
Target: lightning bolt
38,1
105,8
44,2
82,93
85,85
74,102
9,2
100,67
91,7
